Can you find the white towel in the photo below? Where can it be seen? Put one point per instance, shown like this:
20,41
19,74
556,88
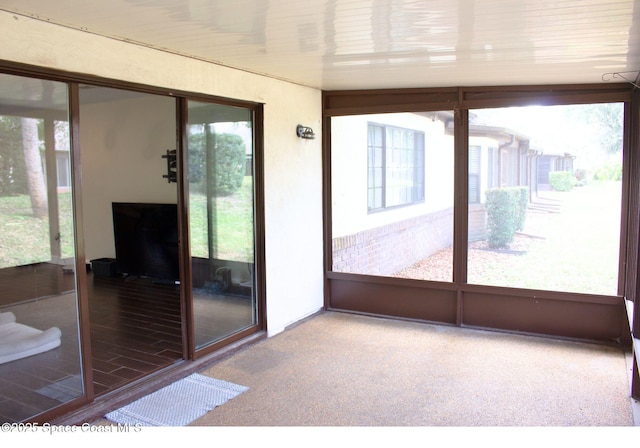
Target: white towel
19,341
7,318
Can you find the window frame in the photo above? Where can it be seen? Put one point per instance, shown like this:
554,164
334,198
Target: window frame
418,167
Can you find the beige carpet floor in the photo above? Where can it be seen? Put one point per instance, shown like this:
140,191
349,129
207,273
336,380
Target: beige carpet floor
338,369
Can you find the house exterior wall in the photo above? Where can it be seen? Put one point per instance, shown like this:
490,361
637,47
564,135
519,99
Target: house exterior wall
388,247
292,167
383,242
349,172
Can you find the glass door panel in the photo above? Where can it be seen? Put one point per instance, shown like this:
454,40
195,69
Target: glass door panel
130,227
221,220
40,363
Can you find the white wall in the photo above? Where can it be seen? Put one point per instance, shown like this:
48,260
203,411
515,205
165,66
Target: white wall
293,168
122,143
349,171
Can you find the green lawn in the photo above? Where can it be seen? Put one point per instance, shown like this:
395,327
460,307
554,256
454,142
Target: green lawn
232,226
580,250
25,239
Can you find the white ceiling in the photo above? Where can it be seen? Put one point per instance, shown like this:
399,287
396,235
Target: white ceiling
356,44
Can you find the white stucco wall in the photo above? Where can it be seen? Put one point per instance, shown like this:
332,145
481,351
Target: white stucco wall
293,167
349,171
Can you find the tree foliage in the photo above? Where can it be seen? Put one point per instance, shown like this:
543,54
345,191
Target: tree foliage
606,122
226,154
12,167
230,158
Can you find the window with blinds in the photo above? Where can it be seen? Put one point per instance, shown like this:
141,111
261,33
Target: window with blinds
395,166
474,174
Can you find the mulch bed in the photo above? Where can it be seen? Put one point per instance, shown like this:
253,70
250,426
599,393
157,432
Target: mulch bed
439,266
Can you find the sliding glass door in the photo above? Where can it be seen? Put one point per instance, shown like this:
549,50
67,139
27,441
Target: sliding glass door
40,363
221,220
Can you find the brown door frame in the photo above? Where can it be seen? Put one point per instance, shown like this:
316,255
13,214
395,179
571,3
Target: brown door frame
88,405
186,287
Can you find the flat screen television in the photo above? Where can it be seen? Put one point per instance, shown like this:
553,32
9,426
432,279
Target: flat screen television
146,240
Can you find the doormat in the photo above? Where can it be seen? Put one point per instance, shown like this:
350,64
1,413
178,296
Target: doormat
179,403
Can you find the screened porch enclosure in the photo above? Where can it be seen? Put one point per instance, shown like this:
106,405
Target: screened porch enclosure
517,225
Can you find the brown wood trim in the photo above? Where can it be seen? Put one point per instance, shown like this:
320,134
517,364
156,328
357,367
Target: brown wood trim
461,187
471,288
523,89
635,380
327,228
405,107
352,102
382,101
186,299
396,281
551,100
535,315
543,294
635,352
235,337
553,95
429,305
634,216
629,221
41,72
259,217
575,316
82,295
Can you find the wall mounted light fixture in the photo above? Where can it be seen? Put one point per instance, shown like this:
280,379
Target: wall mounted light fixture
305,132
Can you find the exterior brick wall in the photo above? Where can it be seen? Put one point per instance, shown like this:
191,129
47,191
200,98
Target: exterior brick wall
477,222
391,248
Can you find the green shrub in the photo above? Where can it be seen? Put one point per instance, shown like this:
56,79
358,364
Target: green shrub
503,216
610,171
523,203
228,155
561,180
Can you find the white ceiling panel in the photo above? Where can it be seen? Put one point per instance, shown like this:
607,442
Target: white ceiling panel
361,44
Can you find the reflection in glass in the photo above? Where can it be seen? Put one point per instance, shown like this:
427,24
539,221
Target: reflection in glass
545,187
39,348
392,195
221,219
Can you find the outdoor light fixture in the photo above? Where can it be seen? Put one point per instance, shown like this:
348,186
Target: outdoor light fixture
305,132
